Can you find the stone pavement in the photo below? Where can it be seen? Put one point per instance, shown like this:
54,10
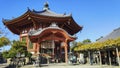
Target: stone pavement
3,65
63,65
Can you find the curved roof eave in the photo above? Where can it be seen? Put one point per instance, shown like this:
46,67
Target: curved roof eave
26,14
29,12
77,26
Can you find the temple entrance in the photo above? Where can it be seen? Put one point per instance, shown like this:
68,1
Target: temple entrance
51,51
57,52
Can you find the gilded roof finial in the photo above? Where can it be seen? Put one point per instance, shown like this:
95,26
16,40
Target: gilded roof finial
46,6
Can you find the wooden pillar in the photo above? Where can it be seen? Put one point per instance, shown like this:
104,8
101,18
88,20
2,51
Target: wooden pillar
34,46
109,57
100,58
89,57
118,58
66,51
38,47
60,49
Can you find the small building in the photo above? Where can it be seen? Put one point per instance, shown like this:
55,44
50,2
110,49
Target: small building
45,32
111,55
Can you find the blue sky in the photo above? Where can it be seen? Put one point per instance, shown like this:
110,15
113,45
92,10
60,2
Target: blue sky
98,17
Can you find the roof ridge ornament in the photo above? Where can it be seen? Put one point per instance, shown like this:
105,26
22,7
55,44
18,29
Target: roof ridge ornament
28,9
46,6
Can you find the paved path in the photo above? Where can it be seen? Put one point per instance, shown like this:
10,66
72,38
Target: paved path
3,65
63,65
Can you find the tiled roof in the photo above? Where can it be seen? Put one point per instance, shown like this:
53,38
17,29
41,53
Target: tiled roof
113,35
46,12
50,13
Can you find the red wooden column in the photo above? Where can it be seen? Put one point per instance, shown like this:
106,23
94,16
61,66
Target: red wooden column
66,51
38,47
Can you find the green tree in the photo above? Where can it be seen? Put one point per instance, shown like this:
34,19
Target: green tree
17,47
5,54
79,43
4,41
77,47
73,45
86,41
